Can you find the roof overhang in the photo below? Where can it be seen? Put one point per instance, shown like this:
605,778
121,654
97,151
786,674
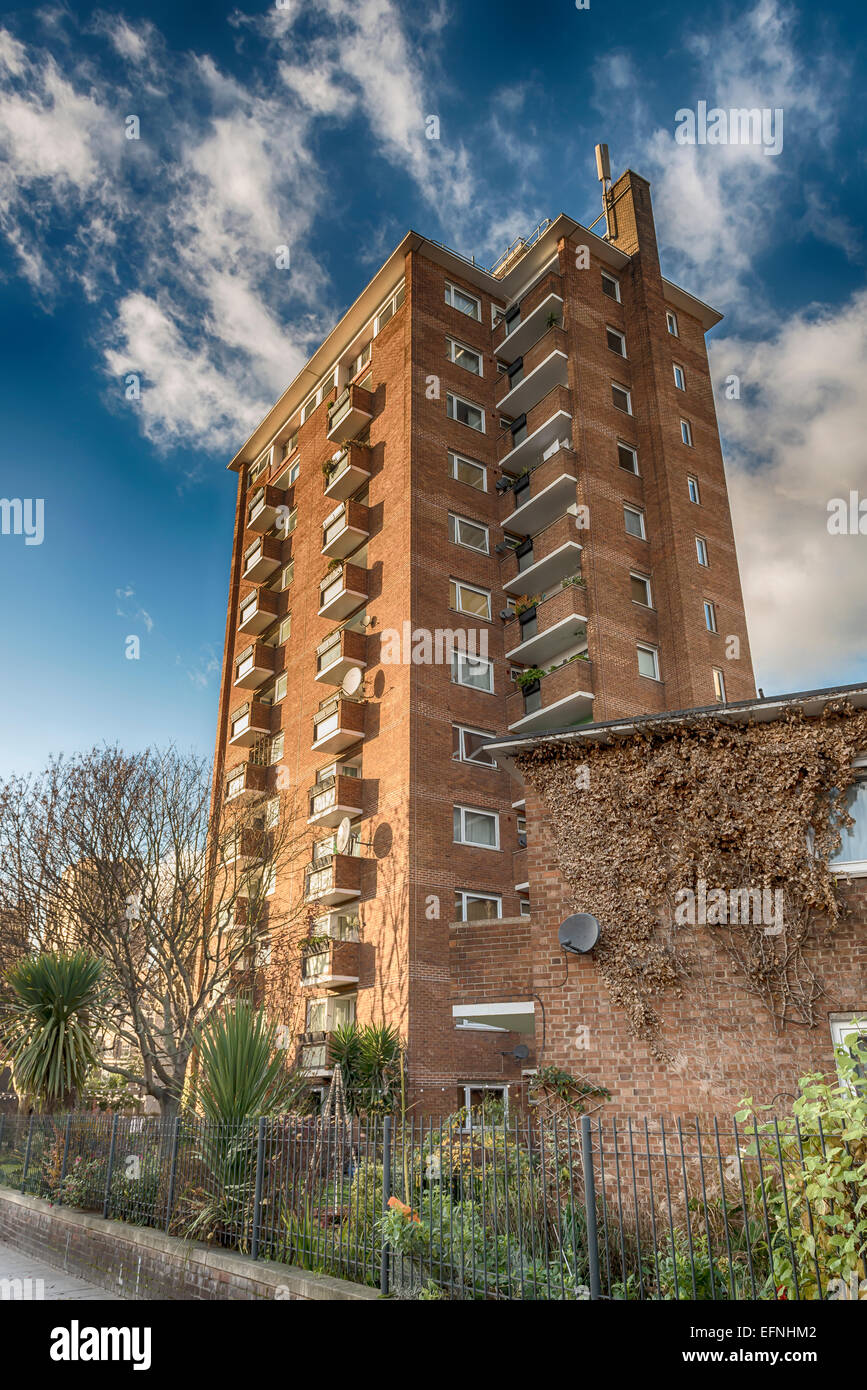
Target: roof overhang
682,299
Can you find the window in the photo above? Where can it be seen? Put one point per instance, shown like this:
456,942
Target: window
485,1103
290,444
324,1015
287,575
465,412
616,341
634,522
524,906
477,907
622,397
285,629
671,323
466,598
686,432
467,471
361,361
701,550
852,854
463,356
280,687
469,533
478,828
272,812
466,303
467,745
292,475
694,490
710,616
648,662
849,1035
610,286
308,408
679,378
627,457
719,684
640,587
474,671
277,748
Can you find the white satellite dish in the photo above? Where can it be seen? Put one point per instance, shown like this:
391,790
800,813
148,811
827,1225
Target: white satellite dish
344,835
352,680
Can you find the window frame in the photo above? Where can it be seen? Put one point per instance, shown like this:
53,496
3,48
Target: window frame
671,318
452,399
719,684
460,661
701,550
710,615
654,651
468,521
463,810
455,343
693,486
478,895
455,458
853,868
627,391
639,512
679,377
633,452
460,757
606,275
644,579
619,334
451,289
473,588
686,434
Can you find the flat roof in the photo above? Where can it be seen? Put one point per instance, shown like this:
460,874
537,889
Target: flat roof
762,710
501,287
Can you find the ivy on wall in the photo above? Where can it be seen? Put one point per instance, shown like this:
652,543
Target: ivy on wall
672,807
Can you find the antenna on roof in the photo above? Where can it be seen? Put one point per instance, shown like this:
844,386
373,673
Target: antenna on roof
603,173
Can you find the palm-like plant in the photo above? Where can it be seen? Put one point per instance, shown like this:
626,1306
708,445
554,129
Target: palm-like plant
47,1028
243,1073
370,1060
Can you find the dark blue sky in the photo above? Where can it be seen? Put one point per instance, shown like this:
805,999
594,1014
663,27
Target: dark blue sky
304,125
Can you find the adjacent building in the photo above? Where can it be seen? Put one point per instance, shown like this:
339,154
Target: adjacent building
493,502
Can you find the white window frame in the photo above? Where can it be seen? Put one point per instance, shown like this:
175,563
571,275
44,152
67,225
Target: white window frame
671,323
476,811
710,615
280,687
686,433
468,521
693,489
636,511
630,449
719,683
456,458
454,345
618,386
284,632
460,660
461,757
644,579
452,290
654,652
679,376
612,279
842,1026
453,400
855,868
474,589
615,333
701,552
466,894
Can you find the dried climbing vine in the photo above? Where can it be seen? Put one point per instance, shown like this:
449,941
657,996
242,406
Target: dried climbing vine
738,806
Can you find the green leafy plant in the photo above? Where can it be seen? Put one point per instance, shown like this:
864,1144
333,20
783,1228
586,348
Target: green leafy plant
48,1027
370,1060
243,1073
532,673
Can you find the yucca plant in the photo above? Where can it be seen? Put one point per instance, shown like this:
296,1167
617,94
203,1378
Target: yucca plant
48,1027
243,1073
369,1059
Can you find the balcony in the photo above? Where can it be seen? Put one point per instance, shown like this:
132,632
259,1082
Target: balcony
248,723
345,529
543,368
561,698
330,966
254,665
520,871
262,509
541,495
519,331
338,725
528,441
257,611
245,848
262,558
336,879
247,782
339,926
548,558
553,627
313,1059
339,653
333,798
342,591
347,472
350,413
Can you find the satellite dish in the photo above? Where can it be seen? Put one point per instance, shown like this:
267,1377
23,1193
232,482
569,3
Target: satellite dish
344,835
352,680
579,933
521,1052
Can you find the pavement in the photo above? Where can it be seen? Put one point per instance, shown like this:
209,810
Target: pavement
25,1277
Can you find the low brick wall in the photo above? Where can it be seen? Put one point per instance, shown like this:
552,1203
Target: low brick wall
138,1263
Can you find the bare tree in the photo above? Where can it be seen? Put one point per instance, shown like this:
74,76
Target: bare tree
172,885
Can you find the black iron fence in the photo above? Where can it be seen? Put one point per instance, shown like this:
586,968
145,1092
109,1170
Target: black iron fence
559,1209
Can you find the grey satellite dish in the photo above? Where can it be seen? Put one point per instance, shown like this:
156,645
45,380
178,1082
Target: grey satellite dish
521,1051
579,933
352,680
344,835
